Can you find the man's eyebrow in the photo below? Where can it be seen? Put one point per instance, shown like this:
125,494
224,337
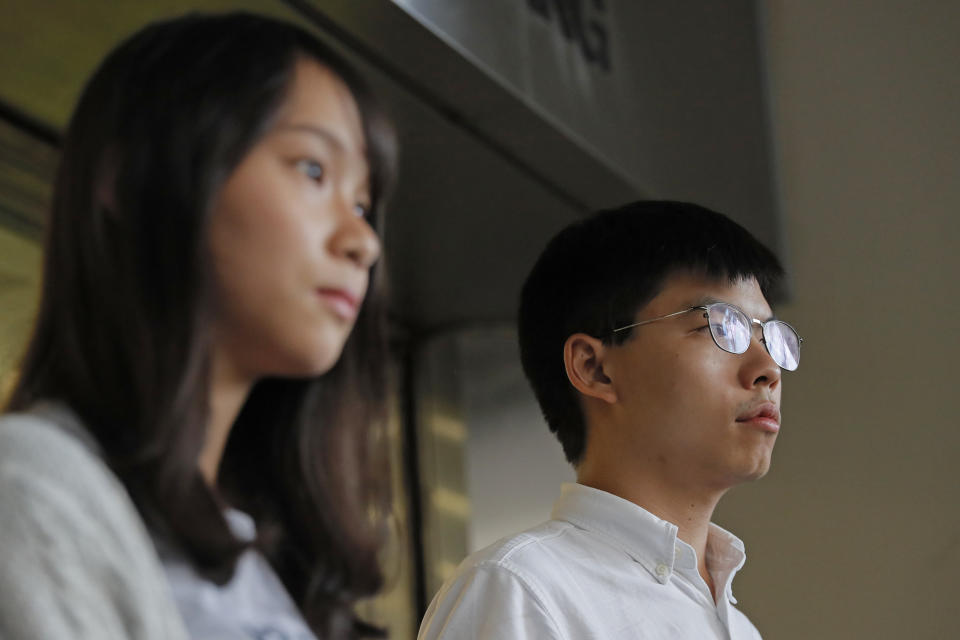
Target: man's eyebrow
328,136
705,300
708,300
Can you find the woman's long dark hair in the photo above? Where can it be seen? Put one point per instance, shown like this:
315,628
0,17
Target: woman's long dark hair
123,335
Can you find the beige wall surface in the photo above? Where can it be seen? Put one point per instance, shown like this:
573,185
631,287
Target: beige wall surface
856,531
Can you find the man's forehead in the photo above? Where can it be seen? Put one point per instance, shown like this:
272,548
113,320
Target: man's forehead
683,290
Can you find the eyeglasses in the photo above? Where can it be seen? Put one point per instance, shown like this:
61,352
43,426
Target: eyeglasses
732,331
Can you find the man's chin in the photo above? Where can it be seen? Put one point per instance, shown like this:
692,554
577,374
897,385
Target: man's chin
760,469
748,473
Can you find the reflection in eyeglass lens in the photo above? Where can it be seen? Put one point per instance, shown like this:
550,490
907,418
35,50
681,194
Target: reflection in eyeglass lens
732,330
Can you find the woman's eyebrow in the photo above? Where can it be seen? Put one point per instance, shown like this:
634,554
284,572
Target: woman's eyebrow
324,134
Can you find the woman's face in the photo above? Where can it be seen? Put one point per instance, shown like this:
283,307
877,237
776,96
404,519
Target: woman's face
291,246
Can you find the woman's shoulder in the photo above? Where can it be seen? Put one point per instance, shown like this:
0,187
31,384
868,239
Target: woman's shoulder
53,479
51,467
47,434
76,552
48,448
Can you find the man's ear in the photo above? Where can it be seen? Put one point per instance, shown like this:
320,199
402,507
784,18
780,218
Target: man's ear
583,358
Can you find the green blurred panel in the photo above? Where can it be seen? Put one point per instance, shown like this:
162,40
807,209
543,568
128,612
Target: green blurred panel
19,289
26,173
394,609
48,48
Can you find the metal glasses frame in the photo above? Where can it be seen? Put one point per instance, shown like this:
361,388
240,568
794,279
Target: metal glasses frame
706,314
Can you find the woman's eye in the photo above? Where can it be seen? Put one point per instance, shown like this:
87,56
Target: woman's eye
312,169
361,210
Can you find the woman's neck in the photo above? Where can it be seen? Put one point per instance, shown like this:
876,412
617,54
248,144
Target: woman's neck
228,391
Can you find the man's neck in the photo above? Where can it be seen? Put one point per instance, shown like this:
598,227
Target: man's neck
686,507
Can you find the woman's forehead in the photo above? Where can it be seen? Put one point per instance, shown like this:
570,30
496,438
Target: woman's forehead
317,95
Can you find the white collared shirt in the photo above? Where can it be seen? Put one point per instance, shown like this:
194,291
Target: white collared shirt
602,567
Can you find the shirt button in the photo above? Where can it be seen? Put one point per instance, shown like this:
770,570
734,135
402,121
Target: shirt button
662,570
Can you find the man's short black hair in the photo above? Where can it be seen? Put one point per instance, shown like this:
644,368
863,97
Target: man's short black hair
595,274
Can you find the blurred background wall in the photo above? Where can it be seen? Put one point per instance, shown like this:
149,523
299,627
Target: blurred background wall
830,129
856,531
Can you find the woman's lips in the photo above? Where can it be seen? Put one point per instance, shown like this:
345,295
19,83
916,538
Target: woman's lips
342,302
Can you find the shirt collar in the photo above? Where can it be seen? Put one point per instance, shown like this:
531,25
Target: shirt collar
650,541
725,556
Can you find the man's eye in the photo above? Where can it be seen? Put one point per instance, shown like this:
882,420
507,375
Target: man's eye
312,169
361,210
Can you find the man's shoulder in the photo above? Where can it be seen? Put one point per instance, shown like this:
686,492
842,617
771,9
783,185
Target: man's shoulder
503,590
542,560
525,548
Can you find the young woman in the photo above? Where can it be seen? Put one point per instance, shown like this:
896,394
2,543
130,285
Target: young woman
191,448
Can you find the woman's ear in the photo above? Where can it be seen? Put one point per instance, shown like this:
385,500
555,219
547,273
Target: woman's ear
583,359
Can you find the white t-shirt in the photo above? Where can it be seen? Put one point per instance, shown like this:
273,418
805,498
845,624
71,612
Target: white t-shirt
602,567
254,605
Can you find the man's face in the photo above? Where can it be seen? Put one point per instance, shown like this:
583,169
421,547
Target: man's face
687,409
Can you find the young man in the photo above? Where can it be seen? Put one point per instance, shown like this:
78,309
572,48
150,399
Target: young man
646,334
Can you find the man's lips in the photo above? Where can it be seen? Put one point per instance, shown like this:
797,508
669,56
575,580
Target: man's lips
765,416
343,302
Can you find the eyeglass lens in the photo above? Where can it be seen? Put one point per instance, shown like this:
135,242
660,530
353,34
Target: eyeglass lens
732,331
